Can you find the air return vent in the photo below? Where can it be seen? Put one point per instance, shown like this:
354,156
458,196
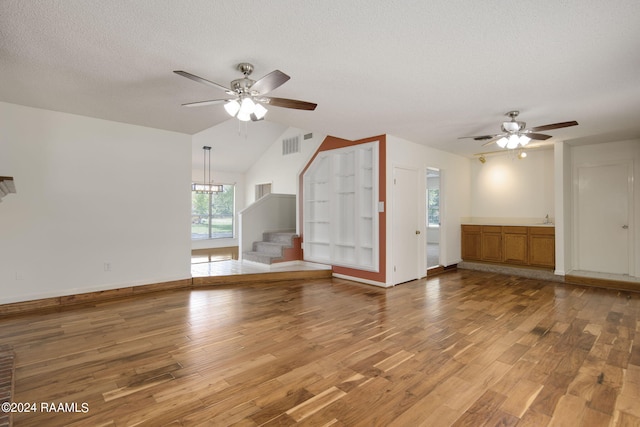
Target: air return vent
291,145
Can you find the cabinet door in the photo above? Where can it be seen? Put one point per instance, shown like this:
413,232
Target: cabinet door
471,245
515,242
492,243
542,247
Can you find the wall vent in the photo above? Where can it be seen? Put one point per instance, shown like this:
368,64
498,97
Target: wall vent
291,145
308,136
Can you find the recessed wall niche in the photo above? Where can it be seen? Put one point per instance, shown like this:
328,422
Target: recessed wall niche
340,207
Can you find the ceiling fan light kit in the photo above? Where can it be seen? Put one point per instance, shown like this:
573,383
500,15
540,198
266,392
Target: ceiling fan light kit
515,133
249,94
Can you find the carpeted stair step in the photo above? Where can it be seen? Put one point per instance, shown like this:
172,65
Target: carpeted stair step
259,257
283,237
271,248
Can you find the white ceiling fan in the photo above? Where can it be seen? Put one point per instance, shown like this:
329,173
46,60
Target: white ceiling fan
248,95
514,132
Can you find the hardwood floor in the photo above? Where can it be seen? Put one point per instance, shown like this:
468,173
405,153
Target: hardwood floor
466,348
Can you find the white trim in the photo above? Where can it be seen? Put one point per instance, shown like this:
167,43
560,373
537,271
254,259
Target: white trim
365,281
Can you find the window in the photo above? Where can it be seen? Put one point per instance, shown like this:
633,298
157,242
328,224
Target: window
212,214
433,207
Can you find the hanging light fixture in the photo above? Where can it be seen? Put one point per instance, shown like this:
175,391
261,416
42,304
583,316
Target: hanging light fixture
7,186
513,140
245,110
206,187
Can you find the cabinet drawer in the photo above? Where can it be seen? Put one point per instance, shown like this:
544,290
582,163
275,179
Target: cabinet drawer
471,228
491,229
544,231
514,229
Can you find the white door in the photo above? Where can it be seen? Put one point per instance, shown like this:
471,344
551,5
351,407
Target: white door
407,227
602,217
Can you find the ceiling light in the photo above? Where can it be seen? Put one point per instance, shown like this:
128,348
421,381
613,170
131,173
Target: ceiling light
513,141
247,106
524,140
243,116
502,142
259,111
245,110
206,186
232,107
482,159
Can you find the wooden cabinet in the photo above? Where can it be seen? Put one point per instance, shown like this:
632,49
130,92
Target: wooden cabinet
491,243
515,245
542,246
471,243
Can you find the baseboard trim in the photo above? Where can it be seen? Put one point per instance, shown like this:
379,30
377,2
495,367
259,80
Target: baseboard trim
62,302
56,303
441,269
266,277
602,283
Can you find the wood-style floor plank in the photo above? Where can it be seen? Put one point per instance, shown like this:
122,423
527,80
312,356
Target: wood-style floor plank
464,348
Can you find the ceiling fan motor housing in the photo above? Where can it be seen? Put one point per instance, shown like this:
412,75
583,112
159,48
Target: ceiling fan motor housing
242,85
513,126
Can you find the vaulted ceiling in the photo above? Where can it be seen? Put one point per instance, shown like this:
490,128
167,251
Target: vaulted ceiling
428,72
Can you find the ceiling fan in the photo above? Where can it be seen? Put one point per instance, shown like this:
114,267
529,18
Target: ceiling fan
514,132
248,95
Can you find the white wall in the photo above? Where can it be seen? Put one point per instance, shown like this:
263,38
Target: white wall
455,192
509,189
281,171
90,192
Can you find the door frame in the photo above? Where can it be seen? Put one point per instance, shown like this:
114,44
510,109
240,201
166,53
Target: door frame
420,226
426,218
628,163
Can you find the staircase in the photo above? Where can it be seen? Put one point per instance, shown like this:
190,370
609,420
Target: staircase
276,246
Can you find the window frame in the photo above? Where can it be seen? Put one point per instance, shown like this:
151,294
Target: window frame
209,217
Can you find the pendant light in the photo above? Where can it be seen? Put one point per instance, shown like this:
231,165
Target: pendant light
206,187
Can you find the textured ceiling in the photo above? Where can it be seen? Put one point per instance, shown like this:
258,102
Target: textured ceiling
428,72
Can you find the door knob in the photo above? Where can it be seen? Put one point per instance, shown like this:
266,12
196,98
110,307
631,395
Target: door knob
625,227
417,231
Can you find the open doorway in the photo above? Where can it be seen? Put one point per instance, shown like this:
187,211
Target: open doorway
433,218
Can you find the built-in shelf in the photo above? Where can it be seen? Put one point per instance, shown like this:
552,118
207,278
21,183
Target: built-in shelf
340,197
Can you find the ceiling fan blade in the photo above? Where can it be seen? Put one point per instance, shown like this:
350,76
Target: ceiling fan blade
205,103
270,82
553,126
204,81
538,136
289,103
478,137
492,140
